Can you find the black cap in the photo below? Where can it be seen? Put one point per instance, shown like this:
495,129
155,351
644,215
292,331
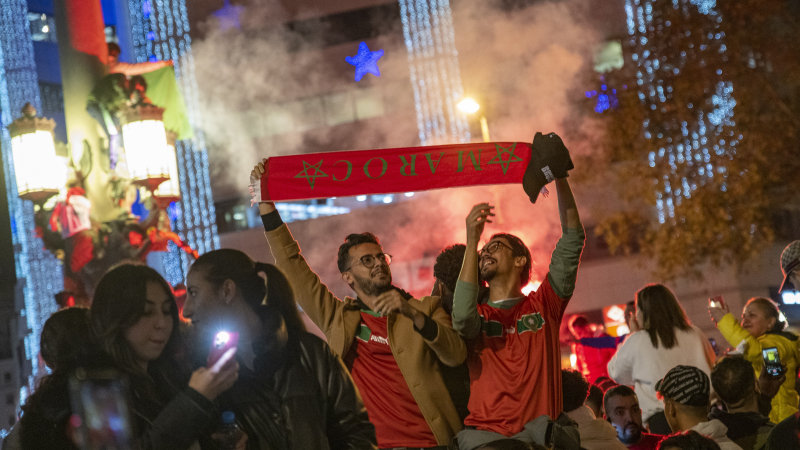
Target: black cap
686,385
549,161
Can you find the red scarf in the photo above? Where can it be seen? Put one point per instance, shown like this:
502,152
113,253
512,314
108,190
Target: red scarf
394,170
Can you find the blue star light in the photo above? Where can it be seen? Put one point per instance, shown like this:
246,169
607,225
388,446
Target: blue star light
365,61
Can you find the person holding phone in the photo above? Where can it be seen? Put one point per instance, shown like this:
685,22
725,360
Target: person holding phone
293,392
761,328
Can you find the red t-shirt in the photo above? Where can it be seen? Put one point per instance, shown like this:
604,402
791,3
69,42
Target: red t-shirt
649,442
515,363
391,406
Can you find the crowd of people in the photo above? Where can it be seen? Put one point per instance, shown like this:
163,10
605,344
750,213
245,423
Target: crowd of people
474,366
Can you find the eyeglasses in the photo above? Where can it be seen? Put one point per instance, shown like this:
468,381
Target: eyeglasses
492,247
369,261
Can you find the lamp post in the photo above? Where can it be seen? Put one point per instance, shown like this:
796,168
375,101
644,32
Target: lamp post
145,145
470,106
40,173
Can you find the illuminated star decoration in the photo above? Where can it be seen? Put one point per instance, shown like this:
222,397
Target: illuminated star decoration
318,173
505,162
365,61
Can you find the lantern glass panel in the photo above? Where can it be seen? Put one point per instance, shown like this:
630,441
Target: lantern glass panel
35,163
145,149
170,188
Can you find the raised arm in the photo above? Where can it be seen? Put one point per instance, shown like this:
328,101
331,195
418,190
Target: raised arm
567,254
141,68
317,301
466,320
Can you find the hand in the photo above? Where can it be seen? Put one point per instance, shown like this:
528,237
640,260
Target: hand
210,382
633,323
477,219
257,173
769,385
391,302
717,313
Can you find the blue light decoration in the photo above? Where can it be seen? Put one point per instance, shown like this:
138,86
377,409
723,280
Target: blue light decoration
365,61
606,98
435,76
685,147
39,272
194,216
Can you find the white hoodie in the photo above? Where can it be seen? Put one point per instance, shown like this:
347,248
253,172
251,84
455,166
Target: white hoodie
717,431
637,363
596,434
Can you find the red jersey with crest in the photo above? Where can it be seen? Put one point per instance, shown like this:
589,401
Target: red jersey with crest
391,406
515,363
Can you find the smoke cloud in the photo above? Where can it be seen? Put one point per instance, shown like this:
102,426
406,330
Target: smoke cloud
524,64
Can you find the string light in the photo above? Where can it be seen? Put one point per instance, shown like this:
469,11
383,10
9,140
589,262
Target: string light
433,69
39,269
682,145
194,222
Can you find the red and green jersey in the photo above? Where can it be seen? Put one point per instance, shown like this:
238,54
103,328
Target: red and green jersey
391,406
515,363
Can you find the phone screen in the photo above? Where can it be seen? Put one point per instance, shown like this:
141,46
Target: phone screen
772,361
713,343
716,302
100,406
223,341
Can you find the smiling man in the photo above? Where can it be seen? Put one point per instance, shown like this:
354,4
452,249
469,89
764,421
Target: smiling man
515,361
391,342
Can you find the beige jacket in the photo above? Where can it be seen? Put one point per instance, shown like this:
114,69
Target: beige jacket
417,358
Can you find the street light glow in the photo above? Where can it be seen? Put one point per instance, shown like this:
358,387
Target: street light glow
468,105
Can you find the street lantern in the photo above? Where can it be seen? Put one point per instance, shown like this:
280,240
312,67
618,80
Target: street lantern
170,190
145,145
39,172
470,106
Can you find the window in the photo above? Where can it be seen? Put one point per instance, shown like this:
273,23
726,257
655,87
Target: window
42,26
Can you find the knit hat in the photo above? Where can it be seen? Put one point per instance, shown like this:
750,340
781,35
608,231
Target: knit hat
549,161
686,385
790,260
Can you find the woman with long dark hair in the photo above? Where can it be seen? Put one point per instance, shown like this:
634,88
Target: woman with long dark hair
761,327
661,338
293,392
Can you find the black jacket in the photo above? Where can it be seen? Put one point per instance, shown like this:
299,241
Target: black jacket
299,398
749,430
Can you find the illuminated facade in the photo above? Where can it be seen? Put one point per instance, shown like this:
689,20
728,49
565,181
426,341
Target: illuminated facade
688,147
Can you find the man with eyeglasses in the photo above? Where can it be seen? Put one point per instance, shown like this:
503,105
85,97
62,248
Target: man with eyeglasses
391,342
514,359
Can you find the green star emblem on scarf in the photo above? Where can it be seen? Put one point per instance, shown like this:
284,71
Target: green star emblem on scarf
311,178
505,162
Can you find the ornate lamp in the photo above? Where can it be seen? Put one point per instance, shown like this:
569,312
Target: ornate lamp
169,191
40,173
145,145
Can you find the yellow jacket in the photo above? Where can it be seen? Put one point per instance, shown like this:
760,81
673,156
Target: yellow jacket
785,403
417,358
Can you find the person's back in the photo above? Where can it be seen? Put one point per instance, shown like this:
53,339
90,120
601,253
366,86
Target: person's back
735,384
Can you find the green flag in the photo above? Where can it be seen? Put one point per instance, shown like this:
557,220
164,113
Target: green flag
163,91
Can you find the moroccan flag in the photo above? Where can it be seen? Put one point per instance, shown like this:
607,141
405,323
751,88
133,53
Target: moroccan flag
394,170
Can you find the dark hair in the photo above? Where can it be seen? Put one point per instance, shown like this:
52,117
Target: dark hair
770,309
574,389
118,303
235,265
113,48
688,440
595,396
64,335
658,302
518,248
510,444
577,320
448,265
352,240
733,380
617,391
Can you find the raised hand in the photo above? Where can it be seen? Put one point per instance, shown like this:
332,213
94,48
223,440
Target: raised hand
210,382
477,219
255,175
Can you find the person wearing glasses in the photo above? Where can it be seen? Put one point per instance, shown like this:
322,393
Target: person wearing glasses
390,342
514,359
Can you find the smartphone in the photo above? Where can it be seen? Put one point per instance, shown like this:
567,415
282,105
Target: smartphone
223,341
772,361
101,414
713,343
716,302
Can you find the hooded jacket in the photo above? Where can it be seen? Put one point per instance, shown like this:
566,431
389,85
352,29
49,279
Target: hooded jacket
596,434
749,430
784,404
717,431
